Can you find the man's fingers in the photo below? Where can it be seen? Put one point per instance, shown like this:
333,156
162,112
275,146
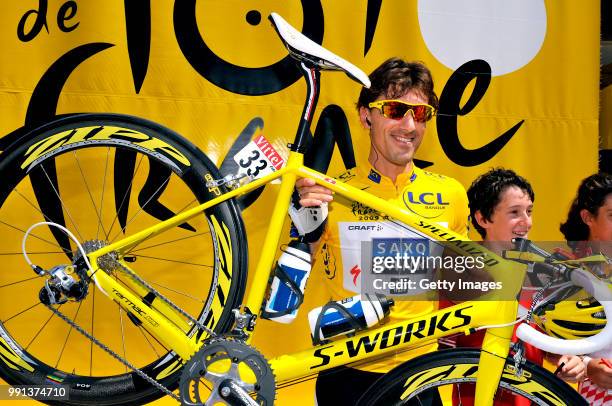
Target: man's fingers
316,201
302,182
315,192
314,189
311,194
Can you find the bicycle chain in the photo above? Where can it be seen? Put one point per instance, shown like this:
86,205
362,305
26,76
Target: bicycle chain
165,299
114,354
119,357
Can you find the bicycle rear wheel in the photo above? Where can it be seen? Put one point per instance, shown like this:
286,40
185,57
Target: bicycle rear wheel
105,176
456,370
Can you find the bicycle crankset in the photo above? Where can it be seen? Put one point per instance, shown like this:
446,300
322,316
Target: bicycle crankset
228,371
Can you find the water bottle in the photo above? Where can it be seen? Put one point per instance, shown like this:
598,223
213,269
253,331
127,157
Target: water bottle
347,316
287,288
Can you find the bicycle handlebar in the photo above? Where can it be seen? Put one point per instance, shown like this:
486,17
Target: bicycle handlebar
602,293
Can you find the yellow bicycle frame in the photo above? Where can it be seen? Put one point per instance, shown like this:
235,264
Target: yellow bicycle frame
167,325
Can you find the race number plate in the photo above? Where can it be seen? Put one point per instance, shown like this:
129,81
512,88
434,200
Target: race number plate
258,158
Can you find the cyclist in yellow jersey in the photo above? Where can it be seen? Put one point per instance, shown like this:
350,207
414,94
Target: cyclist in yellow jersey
395,109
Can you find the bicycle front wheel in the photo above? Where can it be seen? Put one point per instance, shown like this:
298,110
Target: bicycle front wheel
455,371
103,177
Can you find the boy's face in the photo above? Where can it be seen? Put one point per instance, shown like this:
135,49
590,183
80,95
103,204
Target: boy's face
511,217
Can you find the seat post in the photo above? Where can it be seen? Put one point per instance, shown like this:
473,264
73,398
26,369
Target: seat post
312,76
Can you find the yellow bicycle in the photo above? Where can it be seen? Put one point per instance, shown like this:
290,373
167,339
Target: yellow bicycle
77,187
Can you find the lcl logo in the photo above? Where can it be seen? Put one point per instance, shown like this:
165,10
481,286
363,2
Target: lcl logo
427,198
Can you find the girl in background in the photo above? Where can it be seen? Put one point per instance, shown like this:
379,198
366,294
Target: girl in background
588,230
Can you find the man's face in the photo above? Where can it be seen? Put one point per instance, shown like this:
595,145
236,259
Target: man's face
394,142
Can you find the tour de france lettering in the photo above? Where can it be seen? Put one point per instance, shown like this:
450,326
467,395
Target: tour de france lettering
63,18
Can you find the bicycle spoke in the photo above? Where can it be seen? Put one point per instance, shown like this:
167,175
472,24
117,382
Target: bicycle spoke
188,205
31,204
21,312
122,335
32,253
178,292
102,194
40,330
132,250
68,335
76,227
176,261
98,212
91,344
123,200
21,281
32,235
142,331
141,209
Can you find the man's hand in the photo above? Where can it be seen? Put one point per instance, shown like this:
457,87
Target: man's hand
308,209
573,369
600,373
311,194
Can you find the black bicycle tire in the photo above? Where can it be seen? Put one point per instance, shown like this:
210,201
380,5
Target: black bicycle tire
457,363
129,388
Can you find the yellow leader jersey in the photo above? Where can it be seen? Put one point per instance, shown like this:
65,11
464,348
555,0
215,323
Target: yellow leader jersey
437,198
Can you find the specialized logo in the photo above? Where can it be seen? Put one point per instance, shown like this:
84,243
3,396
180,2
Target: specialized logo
414,330
355,271
82,136
330,180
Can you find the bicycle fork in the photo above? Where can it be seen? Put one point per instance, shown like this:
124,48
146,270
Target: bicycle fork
495,350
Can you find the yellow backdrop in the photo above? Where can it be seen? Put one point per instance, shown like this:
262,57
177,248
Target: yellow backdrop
518,82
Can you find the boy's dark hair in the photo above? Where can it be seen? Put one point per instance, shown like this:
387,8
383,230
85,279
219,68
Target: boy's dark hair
591,195
485,193
394,78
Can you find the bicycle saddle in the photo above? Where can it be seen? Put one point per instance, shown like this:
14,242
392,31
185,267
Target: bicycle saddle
304,49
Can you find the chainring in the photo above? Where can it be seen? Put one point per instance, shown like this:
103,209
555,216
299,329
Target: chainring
197,373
